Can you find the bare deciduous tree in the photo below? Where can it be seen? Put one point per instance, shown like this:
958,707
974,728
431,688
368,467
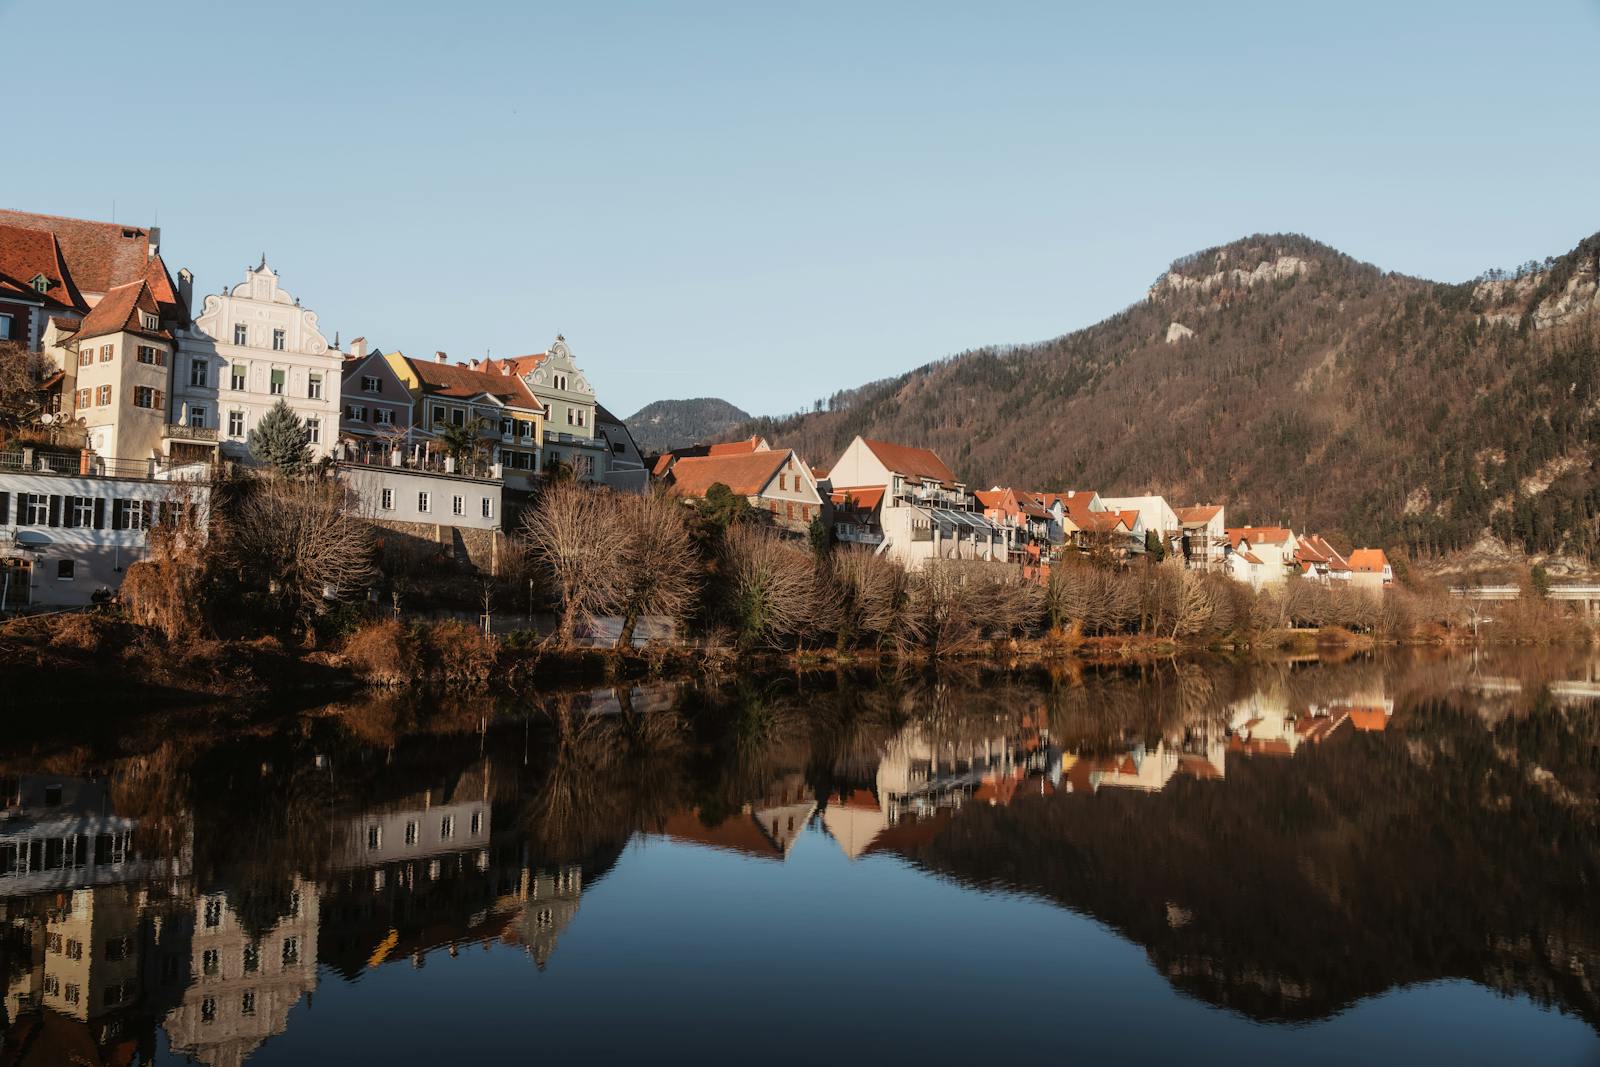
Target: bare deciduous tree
571,541
163,590
872,597
770,585
659,572
299,535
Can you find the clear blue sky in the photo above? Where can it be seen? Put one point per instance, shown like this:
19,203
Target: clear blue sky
769,202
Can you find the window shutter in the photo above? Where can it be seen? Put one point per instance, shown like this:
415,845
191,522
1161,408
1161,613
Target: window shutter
5,508
22,508
55,509
119,513
99,513
161,401
69,513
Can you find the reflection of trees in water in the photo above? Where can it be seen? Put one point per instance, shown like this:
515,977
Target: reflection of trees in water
1299,885
1159,702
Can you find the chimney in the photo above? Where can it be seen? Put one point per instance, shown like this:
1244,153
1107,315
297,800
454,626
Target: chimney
441,357
155,240
474,363
186,287
358,347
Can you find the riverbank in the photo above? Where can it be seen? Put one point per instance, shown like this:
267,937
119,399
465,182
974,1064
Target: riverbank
50,659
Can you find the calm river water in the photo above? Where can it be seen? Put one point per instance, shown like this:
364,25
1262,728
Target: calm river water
1354,863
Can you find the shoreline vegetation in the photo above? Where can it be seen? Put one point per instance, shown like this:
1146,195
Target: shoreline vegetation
250,605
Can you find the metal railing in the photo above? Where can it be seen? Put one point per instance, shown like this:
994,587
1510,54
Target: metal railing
180,432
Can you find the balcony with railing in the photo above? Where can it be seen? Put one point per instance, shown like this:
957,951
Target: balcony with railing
177,431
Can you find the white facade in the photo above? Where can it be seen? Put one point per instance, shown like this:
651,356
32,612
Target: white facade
399,494
66,537
249,348
1154,514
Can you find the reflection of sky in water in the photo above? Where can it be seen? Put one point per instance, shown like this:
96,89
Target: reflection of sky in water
685,953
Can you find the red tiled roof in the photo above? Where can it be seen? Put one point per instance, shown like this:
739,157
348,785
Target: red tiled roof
161,287
1100,521
118,312
747,474
100,255
1198,515
462,383
734,448
1258,535
1369,718
66,323
910,462
521,365
866,499
1368,560
1250,557
24,255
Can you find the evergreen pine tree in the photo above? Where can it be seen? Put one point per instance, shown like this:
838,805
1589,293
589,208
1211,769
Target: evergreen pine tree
281,439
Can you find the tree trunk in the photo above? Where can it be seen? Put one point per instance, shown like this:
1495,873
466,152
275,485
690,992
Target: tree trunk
629,620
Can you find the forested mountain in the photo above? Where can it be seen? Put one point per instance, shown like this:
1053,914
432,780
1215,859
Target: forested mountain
668,424
1295,384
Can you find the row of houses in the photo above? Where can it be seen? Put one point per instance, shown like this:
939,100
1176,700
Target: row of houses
147,382
906,503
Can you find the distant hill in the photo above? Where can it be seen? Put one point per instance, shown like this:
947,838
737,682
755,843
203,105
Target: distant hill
669,424
1295,384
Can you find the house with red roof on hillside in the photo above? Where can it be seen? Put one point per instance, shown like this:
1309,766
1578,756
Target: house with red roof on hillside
1370,569
925,512
1319,561
1260,555
775,481
1203,536
570,415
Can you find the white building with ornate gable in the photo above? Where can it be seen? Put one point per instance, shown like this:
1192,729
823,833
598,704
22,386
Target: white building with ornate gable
569,410
250,347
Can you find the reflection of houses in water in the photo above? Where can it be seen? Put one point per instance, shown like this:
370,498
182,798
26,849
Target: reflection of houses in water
922,778
238,983
58,832
543,905
766,828
1369,712
1145,770
1263,725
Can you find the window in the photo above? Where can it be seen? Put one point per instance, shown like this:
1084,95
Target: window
106,352
197,373
355,413
102,396
73,994
314,431
38,509
437,418
488,507
52,943
507,427
252,958
208,1010
386,500
447,827
458,417
277,340
314,387
291,951
294,904
241,334
5,328
80,511
210,961
152,356
375,832
276,387
422,502
247,1002
572,417
130,515
235,424
783,481
383,416
85,399
86,355
119,948
411,833
583,417
213,912
149,321
74,949
477,823
197,417
144,396
370,384
457,506
237,377
52,986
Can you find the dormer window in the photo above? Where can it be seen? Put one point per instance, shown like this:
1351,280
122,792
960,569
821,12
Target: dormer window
149,320
41,283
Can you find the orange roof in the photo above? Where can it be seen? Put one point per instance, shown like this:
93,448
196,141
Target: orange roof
910,462
1250,557
1258,535
118,312
100,255
1368,561
737,833
1101,521
463,383
747,474
1198,515
521,365
735,448
26,254
866,499
1373,718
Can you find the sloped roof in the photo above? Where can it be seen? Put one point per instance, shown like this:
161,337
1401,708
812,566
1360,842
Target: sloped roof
24,255
100,255
1370,718
734,448
1258,535
866,499
462,383
1198,515
118,312
521,365
746,473
1368,560
910,462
